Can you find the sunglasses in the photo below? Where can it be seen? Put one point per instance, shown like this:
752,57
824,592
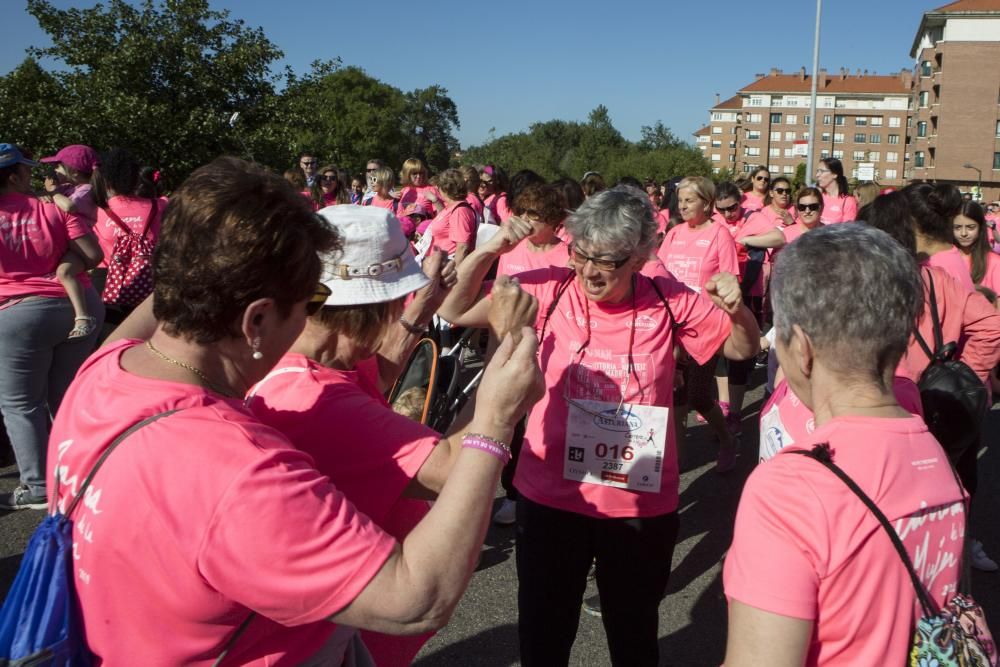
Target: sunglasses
727,209
600,264
318,299
370,170
762,178
781,191
807,207
485,181
309,163
329,177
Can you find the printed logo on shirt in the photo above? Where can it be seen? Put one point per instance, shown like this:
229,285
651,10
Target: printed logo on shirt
643,322
703,243
580,320
685,269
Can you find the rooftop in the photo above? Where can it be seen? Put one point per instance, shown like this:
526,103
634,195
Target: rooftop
975,6
733,102
967,8
861,83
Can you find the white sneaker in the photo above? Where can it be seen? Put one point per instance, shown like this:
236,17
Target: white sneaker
506,515
980,560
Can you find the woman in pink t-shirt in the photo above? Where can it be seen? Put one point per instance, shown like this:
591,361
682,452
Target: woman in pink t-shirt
812,577
413,198
932,210
543,206
694,252
838,204
597,476
756,198
246,527
37,362
328,189
972,240
454,228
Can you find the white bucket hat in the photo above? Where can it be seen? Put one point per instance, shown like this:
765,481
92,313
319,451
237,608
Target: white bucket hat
376,263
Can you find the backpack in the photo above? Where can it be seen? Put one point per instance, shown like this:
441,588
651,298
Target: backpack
40,623
130,267
955,635
953,397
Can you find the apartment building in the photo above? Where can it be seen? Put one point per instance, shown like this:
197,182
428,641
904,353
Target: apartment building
955,136
861,119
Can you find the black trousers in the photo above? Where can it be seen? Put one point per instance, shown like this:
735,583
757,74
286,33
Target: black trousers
554,552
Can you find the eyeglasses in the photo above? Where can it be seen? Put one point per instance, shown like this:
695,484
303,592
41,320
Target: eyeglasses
600,264
484,182
329,177
823,171
781,191
724,210
309,163
318,299
371,169
808,207
762,178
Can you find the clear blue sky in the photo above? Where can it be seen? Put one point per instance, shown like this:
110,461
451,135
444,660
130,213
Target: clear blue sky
509,64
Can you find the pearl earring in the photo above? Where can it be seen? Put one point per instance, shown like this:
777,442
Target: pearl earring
257,355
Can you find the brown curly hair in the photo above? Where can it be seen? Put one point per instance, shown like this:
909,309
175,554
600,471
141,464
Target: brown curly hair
234,233
546,202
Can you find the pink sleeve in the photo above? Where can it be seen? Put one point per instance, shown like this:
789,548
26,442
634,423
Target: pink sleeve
285,543
727,253
850,209
705,327
462,226
76,226
980,335
771,563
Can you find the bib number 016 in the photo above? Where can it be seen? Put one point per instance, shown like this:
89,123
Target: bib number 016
602,451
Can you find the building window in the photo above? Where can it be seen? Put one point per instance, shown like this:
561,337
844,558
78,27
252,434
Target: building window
773,168
998,128
925,68
861,121
756,101
824,153
792,119
751,151
825,137
805,136
789,152
918,159
827,119
996,160
732,144
774,152
754,117
892,156
893,139
788,169
858,156
716,144
874,156
890,173
732,158
838,154
716,157
776,119
716,115
839,120
860,138
876,121
716,130
789,136
894,122
753,135
922,128
875,138
838,138
922,99
805,120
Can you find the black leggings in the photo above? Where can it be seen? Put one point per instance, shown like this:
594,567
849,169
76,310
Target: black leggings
698,384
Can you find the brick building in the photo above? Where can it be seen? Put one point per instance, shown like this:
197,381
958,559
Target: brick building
861,118
956,96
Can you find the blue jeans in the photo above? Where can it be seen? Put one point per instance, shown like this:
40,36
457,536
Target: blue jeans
37,364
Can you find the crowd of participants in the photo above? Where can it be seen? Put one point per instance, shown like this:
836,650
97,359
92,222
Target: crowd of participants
268,505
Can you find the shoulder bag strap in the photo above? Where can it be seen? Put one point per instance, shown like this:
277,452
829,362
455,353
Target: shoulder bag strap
821,453
103,457
149,218
936,323
674,324
232,640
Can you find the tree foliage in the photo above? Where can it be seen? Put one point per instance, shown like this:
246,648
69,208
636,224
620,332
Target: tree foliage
165,78
557,149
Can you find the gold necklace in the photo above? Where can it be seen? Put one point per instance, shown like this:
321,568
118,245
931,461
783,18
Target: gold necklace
204,378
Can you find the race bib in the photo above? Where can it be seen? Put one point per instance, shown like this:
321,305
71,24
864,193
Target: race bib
615,446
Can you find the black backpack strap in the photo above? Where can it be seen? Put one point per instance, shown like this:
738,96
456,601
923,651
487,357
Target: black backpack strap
674,324
821,453
939,353
232,640
100,462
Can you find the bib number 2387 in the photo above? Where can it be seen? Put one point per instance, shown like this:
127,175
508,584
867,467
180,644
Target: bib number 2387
615,446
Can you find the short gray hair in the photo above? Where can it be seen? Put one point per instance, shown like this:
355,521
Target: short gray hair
618,219
855,291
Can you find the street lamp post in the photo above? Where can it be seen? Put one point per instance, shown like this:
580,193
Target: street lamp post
812,99
979,172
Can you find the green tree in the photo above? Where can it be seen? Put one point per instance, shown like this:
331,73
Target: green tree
428,125
162,78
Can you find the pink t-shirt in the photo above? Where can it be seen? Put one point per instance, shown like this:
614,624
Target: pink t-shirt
83,202
413,199
804,546
383,202
695,255
500,208
843,208
332,415
598,372
991,278
455,224
197,519
793,232
786,420
662,220
954,263
476,203
33,237
752,201
134,212
758,222
967,318
522,258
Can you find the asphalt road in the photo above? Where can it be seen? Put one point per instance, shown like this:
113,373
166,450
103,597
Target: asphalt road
483,631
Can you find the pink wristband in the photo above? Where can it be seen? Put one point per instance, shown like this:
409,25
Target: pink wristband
488,445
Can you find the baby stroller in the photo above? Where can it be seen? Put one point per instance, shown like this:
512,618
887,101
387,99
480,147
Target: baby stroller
430,389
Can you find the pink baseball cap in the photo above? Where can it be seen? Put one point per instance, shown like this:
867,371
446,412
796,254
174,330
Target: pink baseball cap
77,157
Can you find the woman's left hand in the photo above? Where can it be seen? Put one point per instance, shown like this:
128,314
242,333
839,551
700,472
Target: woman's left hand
724,291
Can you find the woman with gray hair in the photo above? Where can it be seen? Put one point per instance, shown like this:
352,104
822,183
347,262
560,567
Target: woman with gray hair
813,576
598,476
